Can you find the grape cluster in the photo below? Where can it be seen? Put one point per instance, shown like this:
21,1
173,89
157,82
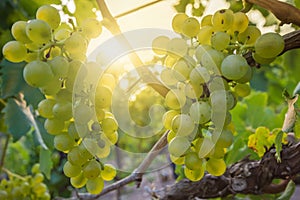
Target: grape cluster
207,72
28,187
55,53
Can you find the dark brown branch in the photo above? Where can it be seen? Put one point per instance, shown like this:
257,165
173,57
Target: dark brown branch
244,177
285,12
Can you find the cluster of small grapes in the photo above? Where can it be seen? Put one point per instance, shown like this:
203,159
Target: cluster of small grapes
206,72
55,52
28,187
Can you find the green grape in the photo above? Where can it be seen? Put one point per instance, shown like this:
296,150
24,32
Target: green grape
167,77
62,110
175,99
112,137
168,117
249,36
200,50
199,75
200,112
18,30
212,60
169,61
108,80
37,73
103,97
204,35
223,139
220,40
190,27
178,146
193,91
91,27
182,125
177,47
99,148
194,175
76,43
76,156
242,90
38,178
95,186
269,45
83,113
38,31
240,23
54,126
109,125
247,77
234,67
219,98
217,152
171,135
63,142
177,22
49,14
39,189
159,45
109,172
35,168
181,70
206,21
91,169
14,51
192,161
62,34
100,114
222,19
262,60
52,87
45,108
31,56
215,167
217,83
59,66
72,131
78,181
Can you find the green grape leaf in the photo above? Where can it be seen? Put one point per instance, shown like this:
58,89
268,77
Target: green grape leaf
17,118
46,163
297,3
278,145
13,83
288,192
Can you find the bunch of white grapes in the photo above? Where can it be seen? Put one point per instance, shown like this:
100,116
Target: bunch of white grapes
28,187
206,72
54,53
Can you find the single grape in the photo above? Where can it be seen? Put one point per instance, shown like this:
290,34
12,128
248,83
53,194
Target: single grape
249,36
62,34
167,77
192,161
247,77
178,146
63,142
212,60
215,167
199,75
35,168
177,47
78,181
52,87
242,90
204,35
38,31
262,60
109,172
269,45
206,21
108,80
59,66
190,27
234,67
37,73
38,178
103,97
62,110
49,14
223,139
91,27
194,175
240,23
54,126
76,43
18,30
45,107
95,186
91,169
193,91
222,19
217,83
31,56
76,156
82,113
109,125
181,70
168,117
14,51
220,40
182,125
159,45
200,50
177,22
175,99
200,112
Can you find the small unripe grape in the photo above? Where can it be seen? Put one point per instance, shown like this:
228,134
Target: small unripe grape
220,40
54,126
242,90
45,107
182,125
59,66
269,45
200,112
175,99
109,172
62,110
78,181
76,43
240,23
109,125
192,161
194,175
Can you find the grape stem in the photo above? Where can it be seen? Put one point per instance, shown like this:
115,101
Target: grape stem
11,174
148,77
285,12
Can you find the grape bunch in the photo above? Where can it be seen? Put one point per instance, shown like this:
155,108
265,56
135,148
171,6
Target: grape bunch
207,73
28,187
55,53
